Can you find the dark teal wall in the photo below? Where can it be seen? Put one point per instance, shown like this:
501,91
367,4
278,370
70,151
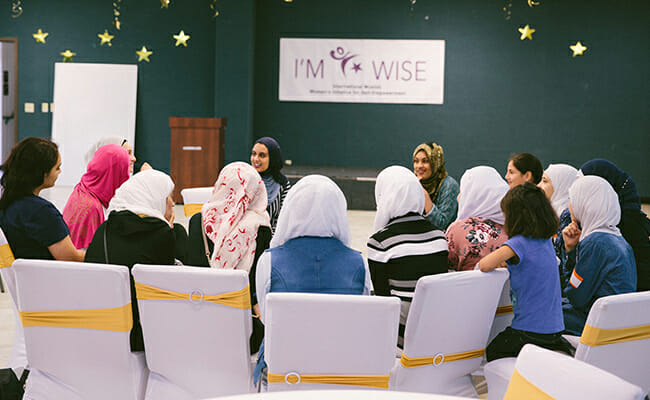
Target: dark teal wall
502,95
233,91
177,82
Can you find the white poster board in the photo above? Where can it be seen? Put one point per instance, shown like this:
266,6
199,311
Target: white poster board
362,70
91,101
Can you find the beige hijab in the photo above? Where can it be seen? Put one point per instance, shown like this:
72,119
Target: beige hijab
438,173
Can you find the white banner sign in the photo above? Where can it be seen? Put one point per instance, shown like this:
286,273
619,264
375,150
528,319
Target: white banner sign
362,71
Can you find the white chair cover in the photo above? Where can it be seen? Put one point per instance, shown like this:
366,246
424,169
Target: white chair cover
564,378
76,363
502,319
629,360
195,349
451,313
18,356
326,334
195,198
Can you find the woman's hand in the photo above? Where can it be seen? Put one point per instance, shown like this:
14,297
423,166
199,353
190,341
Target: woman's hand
428,204
571,235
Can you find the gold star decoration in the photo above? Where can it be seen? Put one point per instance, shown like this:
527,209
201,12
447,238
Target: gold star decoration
105,37
164,3
40,36
181,38
578,49
526,32
67,55
144,54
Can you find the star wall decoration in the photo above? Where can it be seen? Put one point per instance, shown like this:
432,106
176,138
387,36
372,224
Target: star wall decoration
67,55
164,3
181,38
526,32
105,37
40,36
144,54
578,49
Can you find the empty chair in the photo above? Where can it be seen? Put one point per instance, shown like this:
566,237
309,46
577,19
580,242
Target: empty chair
195,198
196,323
18,356
616,338
544,374
77,319
330,341
504,315
447,332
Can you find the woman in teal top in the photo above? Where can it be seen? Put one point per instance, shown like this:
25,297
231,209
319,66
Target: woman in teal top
441,190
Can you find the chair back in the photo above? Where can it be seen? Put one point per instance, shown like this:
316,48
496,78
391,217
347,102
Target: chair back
544,374
195,198
198,347
504,314
77,321
616,337
18,357
447,331
329,338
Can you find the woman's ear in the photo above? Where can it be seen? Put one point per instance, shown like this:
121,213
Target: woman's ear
528,176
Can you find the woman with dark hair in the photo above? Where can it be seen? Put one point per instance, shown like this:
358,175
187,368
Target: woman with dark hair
524,167
535,283
266,158
84,211
440,189
634,224
33,226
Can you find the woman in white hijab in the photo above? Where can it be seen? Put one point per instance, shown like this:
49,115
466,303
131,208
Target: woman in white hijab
405,245
139,229
309,251
556,181
479,228
605,262
233,229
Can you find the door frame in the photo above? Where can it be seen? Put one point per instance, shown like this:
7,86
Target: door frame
16,111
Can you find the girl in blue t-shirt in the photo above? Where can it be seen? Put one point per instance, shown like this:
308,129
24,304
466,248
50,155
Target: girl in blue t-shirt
535,285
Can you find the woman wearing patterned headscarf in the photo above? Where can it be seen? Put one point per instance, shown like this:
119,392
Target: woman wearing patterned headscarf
266,158
441,190
233,229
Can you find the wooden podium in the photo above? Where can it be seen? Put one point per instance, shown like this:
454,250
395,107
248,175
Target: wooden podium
197,152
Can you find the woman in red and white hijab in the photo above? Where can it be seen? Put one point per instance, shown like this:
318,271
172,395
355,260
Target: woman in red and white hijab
233,229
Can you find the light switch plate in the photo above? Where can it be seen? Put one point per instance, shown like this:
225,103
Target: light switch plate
51,107
29,107
45,107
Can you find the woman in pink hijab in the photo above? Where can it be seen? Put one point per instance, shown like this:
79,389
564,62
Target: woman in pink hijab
84,211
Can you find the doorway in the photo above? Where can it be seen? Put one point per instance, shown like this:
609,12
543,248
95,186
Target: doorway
8,95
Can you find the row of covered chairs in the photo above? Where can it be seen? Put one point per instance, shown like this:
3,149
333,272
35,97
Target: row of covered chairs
196,324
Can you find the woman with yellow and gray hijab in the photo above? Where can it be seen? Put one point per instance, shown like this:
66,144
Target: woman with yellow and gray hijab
440,189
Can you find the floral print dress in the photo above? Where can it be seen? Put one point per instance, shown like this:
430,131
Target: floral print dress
471,239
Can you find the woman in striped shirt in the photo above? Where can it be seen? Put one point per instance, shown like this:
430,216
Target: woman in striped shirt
266,158
405,246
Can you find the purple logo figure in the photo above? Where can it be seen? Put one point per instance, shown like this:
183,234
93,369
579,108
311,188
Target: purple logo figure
340,55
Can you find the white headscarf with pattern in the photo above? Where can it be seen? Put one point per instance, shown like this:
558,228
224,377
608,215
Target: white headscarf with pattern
233,215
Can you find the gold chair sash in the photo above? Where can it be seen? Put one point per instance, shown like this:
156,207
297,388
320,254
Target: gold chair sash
412,362
521,388
237,299
507,309
374,381
6,256
592,336
191,209
117,319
